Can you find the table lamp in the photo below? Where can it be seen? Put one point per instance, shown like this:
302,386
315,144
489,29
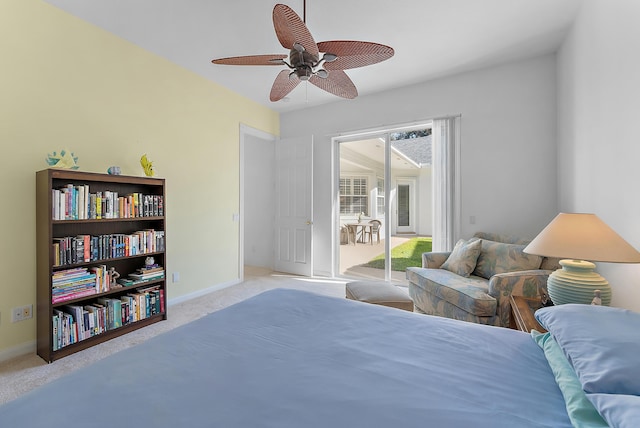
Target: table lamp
576,238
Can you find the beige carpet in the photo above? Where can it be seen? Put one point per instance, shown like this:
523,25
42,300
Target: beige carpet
25,373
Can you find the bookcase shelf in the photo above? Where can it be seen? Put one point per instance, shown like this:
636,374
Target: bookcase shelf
82,241
106,293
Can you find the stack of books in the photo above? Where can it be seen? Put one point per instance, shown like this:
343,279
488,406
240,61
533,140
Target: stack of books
143,275
73,283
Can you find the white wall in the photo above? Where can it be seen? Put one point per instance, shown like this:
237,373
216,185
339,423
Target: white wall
599,138
259,201
425,201
508,143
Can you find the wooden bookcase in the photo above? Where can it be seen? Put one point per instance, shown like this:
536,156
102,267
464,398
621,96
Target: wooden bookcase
49,230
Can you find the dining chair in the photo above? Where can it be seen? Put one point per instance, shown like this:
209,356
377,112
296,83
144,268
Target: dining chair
373,229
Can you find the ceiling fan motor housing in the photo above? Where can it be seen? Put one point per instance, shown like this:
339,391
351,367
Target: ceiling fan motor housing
303,63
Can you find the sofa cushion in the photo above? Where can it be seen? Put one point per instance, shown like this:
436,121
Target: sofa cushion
463,258
498,257
502,237
379,293
469,294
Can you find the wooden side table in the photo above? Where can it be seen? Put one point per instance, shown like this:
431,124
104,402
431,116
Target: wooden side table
522,309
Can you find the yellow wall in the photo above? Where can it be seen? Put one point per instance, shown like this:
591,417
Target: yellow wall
65,83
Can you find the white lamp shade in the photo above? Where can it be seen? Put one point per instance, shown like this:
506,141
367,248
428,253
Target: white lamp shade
582,237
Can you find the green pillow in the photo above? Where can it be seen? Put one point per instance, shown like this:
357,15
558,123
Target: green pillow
462,260
580,410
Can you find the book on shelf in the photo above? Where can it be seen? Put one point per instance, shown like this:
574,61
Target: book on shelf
77,203
113,312
98,317
72,284
147,276
57,329
64,329
103,280
130,282
67,297
139,311
74,323
128,310
153,299
154,268
69,250
78,315
125,282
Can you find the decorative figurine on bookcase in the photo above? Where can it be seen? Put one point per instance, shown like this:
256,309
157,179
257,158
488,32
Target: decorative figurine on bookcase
114,170
147,166
113,278
150,263
65,159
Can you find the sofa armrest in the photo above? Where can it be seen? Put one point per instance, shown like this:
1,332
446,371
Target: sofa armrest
527,283
435,259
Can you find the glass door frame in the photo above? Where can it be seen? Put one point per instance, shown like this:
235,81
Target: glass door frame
385,134
386,226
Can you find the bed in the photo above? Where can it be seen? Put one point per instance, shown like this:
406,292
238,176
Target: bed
290,358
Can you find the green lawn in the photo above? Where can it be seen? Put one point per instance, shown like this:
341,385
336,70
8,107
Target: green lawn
404,255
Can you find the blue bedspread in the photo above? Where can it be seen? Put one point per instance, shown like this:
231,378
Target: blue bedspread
289,358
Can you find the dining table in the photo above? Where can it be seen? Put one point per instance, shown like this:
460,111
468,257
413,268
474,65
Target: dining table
355,228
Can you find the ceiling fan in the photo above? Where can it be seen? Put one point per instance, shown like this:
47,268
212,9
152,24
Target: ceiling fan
304,61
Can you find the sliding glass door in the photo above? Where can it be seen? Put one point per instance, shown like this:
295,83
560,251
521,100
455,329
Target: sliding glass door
361,211
383,200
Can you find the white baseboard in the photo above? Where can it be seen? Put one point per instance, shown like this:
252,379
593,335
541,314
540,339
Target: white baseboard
200,293
326,274
30,346
18,351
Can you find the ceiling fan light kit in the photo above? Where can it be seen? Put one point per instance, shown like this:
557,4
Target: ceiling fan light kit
304,61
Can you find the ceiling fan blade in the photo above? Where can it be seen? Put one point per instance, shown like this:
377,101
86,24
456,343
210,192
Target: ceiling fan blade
353,54
275,59
336,83
285,82
290,30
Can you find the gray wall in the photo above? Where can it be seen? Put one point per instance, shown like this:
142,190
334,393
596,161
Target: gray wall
599,139
508,131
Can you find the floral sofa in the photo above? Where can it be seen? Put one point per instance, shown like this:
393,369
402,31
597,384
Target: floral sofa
474,281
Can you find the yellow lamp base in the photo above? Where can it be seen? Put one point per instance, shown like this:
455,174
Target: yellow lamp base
576,283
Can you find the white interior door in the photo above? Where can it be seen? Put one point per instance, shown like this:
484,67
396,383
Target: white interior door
294,214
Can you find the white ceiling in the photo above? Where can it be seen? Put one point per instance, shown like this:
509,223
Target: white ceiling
431,38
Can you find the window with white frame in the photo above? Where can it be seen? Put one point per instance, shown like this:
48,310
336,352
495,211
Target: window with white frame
354,198
380,197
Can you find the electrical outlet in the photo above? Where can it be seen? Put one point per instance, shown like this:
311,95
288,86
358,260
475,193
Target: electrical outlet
176,277
21,313
16,314
27,312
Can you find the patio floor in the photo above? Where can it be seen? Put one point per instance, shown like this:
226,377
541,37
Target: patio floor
352,256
